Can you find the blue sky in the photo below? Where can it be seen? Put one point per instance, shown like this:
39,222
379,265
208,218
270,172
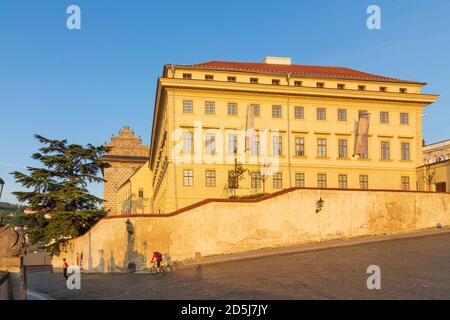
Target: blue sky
85,84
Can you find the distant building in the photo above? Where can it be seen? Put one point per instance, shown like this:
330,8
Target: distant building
28,211
434,174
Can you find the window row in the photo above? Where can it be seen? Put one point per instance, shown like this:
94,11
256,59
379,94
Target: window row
297,83
300,150
277,180
299,112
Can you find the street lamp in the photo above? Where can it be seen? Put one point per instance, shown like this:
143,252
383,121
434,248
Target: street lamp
2,183
319,205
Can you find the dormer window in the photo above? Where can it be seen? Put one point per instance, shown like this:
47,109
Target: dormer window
209,77
403,90
275,82
341,86
187,75
298,83
361,88
231,79
383,89
253,80
320,85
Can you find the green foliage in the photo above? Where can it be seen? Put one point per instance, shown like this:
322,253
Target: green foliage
58,193
236,175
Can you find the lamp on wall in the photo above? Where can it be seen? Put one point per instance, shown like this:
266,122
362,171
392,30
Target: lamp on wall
2,183
319,205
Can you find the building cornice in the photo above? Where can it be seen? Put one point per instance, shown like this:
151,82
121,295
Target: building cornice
309,92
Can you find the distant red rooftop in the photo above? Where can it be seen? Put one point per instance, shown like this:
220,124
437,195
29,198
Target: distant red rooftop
298,69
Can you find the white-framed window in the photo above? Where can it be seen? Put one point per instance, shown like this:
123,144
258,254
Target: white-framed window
210,178
255,145
277,145
256,180
210,143
232,143
278,180
321,180
299,112
187,106
405,183
188,140
385,150
210,107
342,143
364,182
321,147
404,118
256,110
342,114
299,146
188,177
300,179
342,178
384,117
406,154
321,114
232,109
276,111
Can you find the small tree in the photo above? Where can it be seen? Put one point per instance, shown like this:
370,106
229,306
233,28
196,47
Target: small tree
63,207
236,175
429,175
264,171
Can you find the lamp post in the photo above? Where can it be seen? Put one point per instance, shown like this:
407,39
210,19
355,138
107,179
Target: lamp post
319,205
2,183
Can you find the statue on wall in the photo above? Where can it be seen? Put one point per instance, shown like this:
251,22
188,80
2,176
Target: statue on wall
11,242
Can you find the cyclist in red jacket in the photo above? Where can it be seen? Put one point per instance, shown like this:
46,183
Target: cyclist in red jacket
157,256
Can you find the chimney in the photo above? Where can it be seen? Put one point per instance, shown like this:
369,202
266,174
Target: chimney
278,60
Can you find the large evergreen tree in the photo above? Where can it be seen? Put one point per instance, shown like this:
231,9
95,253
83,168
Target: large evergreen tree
58,193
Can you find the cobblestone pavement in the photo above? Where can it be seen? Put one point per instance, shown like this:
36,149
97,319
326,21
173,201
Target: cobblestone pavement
417,268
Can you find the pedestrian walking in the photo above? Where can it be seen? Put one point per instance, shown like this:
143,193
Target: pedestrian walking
65,266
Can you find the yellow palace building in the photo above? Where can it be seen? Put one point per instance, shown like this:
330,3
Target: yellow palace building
289,125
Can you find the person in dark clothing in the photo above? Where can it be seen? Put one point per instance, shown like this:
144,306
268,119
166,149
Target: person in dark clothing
65,266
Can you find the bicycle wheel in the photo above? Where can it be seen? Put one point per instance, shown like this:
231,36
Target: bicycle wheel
169,269
153,271
163,271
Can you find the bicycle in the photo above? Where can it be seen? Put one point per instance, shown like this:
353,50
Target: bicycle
170,267
154,270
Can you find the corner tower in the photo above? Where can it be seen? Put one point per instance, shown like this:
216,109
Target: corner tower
126,156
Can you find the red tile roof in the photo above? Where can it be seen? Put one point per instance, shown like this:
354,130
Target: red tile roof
297,69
